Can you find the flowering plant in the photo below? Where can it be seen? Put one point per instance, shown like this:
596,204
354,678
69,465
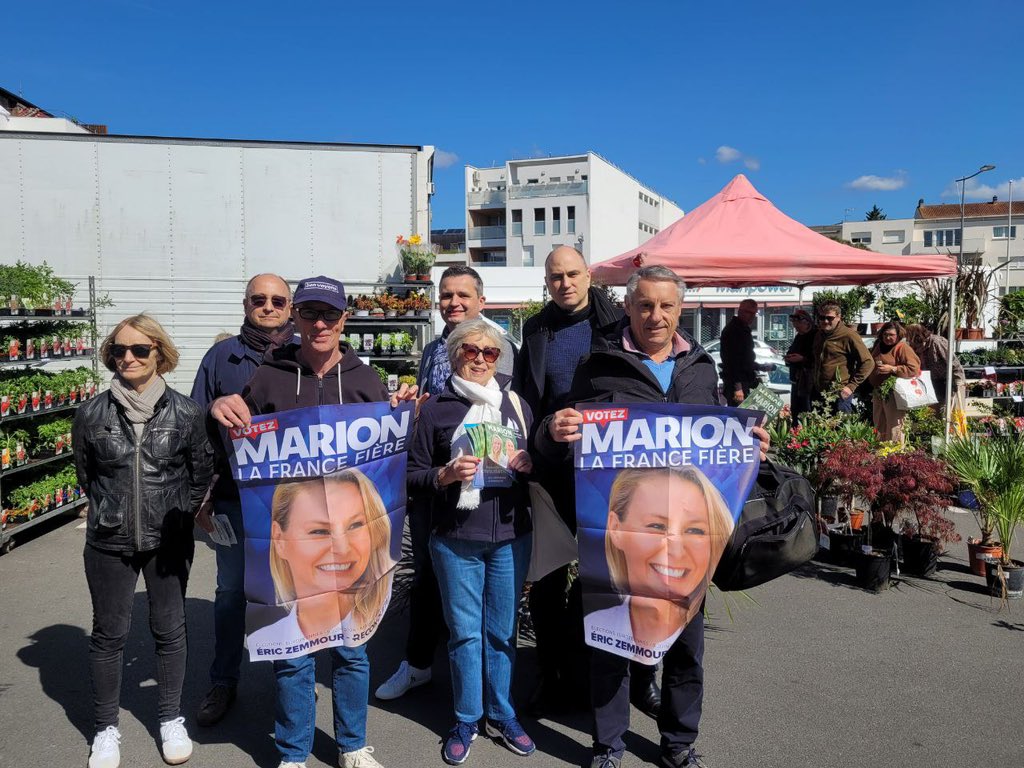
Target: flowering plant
417,256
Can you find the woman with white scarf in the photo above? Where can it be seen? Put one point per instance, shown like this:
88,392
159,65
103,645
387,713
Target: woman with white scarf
144,461
480,540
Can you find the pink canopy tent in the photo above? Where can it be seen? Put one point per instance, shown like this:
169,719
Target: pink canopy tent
738,238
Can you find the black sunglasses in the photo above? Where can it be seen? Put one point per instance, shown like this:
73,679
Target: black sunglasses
472,352
827,318
259,300
329,315
139,351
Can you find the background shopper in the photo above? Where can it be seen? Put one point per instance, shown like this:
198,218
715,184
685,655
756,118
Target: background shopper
894,359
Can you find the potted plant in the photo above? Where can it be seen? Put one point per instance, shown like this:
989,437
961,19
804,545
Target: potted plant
377,306
990,467
851,469
1005,575
914,491
363,305
426,262
973,285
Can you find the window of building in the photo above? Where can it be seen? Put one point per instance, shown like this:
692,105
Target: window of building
556,221
893,236
941,238
538,221
999,233
554,179
570,219
517,221
860,238
583,177
527,255
532,181
570,178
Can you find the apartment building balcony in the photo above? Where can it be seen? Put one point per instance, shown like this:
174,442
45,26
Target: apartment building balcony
487,198
486,233
521,191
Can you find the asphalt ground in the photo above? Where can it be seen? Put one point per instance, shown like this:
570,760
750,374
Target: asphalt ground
816,673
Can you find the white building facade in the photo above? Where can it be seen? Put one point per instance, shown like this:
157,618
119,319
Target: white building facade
517,213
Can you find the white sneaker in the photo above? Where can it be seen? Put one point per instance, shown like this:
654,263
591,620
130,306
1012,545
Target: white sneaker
405,678
175,746
106,748
361,758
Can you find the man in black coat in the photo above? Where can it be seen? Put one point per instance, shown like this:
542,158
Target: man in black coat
739,363
554,341
647,359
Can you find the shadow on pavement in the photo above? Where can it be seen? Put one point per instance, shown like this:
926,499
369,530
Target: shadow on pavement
60,653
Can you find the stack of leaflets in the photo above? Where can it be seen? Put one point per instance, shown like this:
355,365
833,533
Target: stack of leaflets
496,445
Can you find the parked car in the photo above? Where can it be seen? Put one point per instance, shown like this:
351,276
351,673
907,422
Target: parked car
777,379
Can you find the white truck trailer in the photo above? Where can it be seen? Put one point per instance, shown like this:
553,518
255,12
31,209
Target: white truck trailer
175,226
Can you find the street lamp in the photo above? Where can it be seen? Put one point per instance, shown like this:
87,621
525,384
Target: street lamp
951,338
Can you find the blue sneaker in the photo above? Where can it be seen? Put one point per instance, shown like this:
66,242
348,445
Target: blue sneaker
511,735
455,746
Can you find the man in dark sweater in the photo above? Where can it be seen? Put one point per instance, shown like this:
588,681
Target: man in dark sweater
554,341
225,370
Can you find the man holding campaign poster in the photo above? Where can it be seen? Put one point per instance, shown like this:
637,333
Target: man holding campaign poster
323,496
645,565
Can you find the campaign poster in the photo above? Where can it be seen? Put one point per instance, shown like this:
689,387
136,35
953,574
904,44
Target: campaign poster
659,488
495,445
323,506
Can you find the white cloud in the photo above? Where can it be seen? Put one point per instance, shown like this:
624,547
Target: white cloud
879,183
977,191
702,161
726,154
444,159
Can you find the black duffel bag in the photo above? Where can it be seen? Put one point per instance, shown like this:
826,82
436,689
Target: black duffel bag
775,534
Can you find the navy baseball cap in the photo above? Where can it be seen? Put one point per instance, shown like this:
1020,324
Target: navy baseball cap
320,288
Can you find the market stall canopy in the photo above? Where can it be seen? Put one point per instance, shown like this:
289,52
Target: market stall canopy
738,238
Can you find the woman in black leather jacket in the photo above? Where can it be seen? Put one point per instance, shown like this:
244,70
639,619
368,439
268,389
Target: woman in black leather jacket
144,461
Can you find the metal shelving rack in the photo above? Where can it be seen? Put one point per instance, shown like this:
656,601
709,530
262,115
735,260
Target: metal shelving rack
419,326
10,530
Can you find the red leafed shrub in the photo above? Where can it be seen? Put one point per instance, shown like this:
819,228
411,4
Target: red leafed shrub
919,488
852,468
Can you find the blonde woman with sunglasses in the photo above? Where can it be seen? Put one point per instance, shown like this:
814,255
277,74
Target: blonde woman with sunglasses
144,461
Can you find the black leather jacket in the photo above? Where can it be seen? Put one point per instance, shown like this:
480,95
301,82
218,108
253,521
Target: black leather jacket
146,492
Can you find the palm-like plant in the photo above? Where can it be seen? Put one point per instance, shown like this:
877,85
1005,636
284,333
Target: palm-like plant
1007,511
992,468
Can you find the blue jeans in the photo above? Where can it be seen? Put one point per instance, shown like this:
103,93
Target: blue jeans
480,584
229,602
295,710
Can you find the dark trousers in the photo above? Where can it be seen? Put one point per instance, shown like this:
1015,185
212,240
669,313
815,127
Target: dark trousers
112,577
682,693
426,618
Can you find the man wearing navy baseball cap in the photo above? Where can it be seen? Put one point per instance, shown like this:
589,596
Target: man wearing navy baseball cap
320,370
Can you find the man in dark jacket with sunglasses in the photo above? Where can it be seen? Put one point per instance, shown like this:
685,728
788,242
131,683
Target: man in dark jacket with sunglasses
225,370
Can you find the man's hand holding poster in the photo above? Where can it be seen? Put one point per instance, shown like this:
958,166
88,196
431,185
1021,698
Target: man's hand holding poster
658,490
323,505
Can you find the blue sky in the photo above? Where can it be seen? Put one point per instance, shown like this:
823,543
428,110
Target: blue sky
825,106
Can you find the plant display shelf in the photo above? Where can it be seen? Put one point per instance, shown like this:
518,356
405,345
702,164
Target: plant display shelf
33,463
41,316
13,529
87,357
1003,373
403,320
30,414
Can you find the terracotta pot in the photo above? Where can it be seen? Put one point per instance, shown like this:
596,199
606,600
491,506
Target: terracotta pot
974,334
856,520
876,327
961,333
977,555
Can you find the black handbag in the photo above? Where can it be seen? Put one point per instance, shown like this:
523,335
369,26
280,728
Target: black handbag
776,531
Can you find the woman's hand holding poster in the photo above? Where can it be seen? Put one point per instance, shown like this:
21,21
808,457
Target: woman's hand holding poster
323,506
659,488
